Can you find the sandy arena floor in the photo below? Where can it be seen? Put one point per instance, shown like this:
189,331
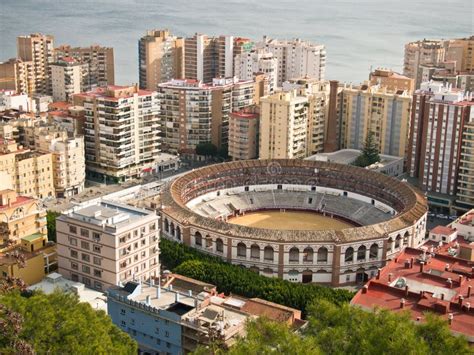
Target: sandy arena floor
290,220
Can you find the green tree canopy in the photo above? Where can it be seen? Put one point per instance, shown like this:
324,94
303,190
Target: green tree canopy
207,149
370,152
51,224
59,324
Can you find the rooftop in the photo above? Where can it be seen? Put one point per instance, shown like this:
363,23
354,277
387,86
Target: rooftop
443,230
421,281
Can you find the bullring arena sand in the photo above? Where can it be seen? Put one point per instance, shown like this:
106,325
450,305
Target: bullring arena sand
289,220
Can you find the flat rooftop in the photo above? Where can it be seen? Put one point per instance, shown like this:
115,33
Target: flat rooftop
348,156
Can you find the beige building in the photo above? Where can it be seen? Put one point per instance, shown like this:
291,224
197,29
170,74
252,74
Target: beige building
121,132
194,113
243,134
107,243
391,80
465,188
27,172
99,63
375,109
38,49
66,78
425,52
160,58
18,75
249,63
461,53
283,125
20,217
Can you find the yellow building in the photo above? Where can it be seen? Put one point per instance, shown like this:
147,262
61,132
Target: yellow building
27,172
18,75
391,80
20,216
30,260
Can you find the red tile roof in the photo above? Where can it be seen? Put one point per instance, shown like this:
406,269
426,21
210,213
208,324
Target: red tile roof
443,230
441,274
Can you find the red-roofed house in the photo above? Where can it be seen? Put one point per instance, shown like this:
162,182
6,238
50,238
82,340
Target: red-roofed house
443,234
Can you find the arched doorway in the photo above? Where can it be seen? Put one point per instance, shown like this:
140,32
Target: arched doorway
361,276
307,276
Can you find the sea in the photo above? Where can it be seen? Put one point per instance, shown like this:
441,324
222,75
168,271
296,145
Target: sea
358,34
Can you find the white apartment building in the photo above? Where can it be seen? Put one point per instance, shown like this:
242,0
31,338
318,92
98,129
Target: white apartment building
247,64
192,112
296,58
66,78
283,125
108,243
122,139
10,100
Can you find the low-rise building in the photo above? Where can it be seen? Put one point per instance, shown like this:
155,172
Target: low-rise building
442,234
105,243
465,225
179,314
418,281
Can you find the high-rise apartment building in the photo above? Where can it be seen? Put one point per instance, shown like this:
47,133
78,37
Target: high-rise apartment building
160,58
99,60
18,75
425,52
67,78
375,109
107,243
38,49
192,112
248,63
121,132
465,188
438,116
296,58
206,58
283,125
27,172
243,134
461,52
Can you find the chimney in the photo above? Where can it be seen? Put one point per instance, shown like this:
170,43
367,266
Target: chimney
177,297
442,297
147,300
412,260
450,283
190,293
422,266
158,292
460,280
469,288
460,300
365,289
390,277
406,291
446,268
378,273
170,287
450,318
422,293
468,306
402,303
407,264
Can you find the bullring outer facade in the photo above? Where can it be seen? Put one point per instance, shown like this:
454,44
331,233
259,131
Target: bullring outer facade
385,216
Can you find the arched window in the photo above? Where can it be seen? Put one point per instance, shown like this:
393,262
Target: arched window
322,254
397,241
308,254
198,239
208,241
294,254
167,226
242,250
361,252
405,238
255,251
254,269
172,230
268,253
349,255
219,245
268,271
374,251
389,244
178,232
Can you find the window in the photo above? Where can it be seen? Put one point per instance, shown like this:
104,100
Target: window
157,330
74,254
123,323
75,277
294,254
85,245
74,266
268,253
86,281
86,269
73,241
158,341
308,255
73,229
374,251
96,248
96,236
84,233
361,252
322,254
241,250
167,334
122,312
97,273
198,239
219,245
246,188
86,257
168,345
97,261
349,255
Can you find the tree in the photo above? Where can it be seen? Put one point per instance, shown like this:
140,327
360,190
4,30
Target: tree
370,152
51,224
58,324
266,337
207,149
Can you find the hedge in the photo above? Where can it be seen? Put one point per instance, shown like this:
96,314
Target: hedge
234,279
